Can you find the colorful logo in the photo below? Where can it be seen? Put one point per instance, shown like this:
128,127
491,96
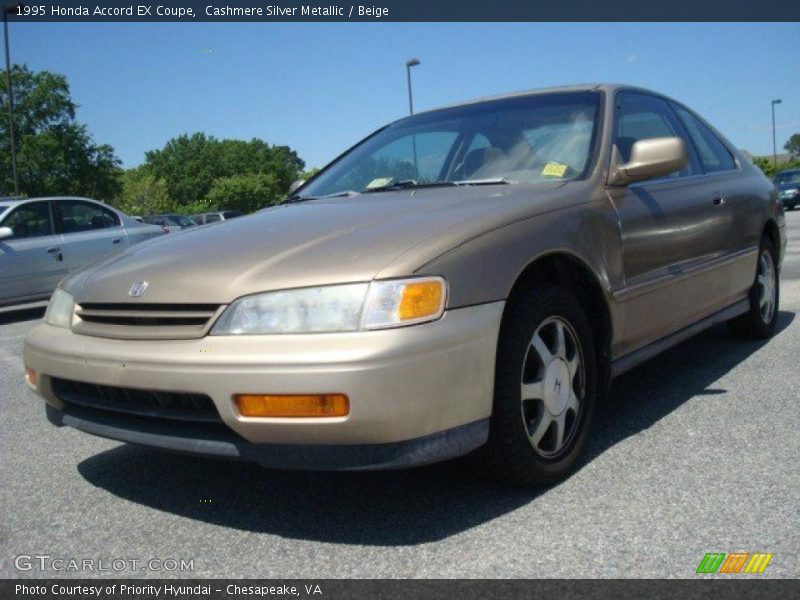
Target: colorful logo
736,562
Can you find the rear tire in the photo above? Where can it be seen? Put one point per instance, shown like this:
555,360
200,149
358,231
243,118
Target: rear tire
760,320
545,388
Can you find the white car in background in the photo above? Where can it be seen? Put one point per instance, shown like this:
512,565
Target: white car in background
44,239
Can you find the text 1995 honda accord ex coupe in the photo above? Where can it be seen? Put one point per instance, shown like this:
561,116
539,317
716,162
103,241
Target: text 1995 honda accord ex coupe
465,279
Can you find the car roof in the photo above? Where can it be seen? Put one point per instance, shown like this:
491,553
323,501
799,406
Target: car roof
20,201
788,171
13,200
610,88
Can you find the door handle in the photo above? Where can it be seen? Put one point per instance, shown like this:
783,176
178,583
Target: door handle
116,240
53,250
719,200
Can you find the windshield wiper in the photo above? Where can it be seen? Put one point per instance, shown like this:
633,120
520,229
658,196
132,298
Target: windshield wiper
298,198
399,185
490,181
411,184
407,184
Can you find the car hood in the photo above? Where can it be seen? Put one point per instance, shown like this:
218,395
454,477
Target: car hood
788,186
315,242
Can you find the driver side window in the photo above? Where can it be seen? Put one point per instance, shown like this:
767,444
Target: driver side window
30,220
642,117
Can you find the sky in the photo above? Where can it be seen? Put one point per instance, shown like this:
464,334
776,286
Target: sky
320,87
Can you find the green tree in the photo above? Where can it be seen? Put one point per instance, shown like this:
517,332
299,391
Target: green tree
765,164
306,175
55,154
143,194
191,165
247,193
793,145
768,167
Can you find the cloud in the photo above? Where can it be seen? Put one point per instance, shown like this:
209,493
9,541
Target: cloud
631,58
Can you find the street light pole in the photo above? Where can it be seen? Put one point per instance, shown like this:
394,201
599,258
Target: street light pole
413,62
774,145
7,9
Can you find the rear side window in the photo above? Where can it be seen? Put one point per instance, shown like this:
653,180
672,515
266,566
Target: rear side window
714,156
213,218
642,117
84,216
30,220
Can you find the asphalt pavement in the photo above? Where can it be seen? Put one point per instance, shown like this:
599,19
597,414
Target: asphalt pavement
696,451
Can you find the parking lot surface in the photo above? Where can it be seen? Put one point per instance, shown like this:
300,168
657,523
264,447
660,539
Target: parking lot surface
695,451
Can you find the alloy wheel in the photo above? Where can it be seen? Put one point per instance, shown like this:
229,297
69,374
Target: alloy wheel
552,387
766,286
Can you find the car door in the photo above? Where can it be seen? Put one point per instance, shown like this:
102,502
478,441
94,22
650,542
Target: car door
90,231
31,261
724,176
674,231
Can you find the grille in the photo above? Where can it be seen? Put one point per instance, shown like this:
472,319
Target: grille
145,321
174,406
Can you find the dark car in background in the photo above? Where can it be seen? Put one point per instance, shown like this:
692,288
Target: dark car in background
44,239
170,222
215,217
788,184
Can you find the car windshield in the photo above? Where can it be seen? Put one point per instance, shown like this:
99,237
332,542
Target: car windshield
788,177
512,140
181,220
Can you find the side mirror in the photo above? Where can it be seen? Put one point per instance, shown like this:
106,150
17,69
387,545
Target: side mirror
6,232
650,158
295,185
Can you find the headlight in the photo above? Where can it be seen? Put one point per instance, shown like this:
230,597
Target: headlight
59,310
336,308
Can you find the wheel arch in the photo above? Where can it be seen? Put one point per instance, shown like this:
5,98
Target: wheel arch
570,272
772,231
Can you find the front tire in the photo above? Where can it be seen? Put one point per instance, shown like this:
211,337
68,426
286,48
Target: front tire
545,388
760,320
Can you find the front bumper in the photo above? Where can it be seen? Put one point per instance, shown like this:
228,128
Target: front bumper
417,394
790,201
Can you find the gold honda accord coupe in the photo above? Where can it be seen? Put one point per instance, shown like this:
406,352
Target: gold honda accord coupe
466,280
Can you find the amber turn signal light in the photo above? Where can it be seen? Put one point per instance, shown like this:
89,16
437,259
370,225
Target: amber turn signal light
420,300
31,376
292,405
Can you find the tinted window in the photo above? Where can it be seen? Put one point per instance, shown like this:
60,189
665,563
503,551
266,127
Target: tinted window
213,218
642,117
30,220
714,156
231,214
788,177
84,216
